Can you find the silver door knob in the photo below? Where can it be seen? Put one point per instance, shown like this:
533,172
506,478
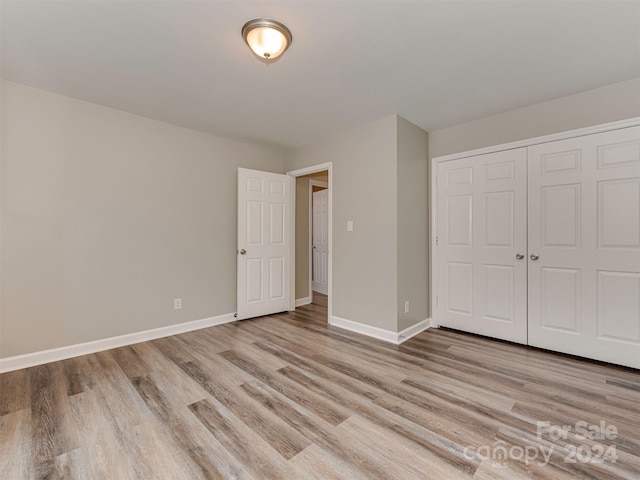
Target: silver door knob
519,256
534,257
243,252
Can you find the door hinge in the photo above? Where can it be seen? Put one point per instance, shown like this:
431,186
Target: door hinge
436,240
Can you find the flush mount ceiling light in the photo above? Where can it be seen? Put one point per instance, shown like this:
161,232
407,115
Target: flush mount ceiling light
266,37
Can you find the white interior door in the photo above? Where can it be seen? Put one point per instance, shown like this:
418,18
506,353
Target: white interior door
584,246
319,248
264,243
481,267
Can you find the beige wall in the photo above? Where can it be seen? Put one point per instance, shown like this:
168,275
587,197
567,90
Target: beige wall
303,289
108,216
379,182
413,230
601,105
364,190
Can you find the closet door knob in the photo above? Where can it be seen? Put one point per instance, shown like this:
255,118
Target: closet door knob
519,256
534,257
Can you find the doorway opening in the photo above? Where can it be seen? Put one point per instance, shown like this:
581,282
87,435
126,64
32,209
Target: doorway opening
312,272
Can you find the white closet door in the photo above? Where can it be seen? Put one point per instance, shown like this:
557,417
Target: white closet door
481,285
584,229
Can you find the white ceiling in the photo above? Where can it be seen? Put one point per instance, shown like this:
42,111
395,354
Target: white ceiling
436,63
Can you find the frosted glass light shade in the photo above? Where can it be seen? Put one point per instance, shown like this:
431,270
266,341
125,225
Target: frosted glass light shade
267,38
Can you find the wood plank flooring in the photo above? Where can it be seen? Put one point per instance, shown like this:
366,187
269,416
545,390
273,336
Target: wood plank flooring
289,397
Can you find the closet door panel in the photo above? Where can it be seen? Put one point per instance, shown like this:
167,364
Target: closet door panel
481,286
584,229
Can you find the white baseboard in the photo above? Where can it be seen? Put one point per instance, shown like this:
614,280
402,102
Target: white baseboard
368,330
414,330
303,301
380,333
53,355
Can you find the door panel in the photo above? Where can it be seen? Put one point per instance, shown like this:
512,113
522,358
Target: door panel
277,223
498,281
561,300
254,280
498,228
560,215
481,227
618,228
499,171
584,225
276,280
264,232
459,176
460,292
460,219
619,306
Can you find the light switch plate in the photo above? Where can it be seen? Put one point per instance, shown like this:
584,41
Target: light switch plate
349,225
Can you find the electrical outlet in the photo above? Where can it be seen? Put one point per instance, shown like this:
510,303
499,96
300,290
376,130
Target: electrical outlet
349,225
406,306
177,303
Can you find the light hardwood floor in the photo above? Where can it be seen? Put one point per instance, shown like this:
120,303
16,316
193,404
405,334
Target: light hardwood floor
287,397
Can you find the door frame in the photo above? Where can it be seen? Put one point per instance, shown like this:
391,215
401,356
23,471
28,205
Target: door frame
328,166
314,183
